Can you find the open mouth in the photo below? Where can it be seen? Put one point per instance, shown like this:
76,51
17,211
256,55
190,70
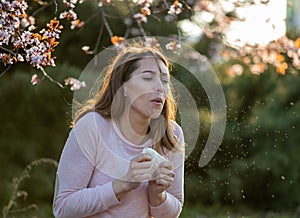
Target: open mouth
157,100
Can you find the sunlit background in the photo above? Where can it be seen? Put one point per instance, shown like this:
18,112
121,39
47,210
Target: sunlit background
259,23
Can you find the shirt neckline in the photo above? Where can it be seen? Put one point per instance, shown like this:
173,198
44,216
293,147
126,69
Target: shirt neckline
147,143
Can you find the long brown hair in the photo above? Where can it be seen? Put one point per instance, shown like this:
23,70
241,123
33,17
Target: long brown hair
117,73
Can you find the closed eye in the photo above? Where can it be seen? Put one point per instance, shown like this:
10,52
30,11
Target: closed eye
147,78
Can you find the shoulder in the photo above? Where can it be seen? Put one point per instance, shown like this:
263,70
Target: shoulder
87,134
177,130
178,133
90,124
90,119
177,154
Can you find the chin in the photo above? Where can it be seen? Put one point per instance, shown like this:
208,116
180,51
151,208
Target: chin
155,116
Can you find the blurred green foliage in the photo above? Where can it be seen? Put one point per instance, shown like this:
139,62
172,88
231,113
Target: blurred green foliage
257,164
34,124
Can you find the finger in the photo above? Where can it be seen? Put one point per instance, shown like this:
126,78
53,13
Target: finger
171,174
166,164
164,177
166,184
141,171
141,165
139,177
164,171
141,158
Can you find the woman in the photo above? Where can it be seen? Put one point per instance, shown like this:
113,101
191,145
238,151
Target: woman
103,171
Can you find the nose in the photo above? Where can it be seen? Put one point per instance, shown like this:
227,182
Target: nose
159,87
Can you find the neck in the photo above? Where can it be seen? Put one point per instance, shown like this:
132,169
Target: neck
133,127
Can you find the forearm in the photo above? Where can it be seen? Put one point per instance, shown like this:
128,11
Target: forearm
72,197
84,202
156,199
122,187
170,208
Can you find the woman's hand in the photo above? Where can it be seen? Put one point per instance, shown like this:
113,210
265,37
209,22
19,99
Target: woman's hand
161,180
139,170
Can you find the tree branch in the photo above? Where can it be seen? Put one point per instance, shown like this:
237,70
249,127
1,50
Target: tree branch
106,23
7,50
4,71
139,24
98,39
50,78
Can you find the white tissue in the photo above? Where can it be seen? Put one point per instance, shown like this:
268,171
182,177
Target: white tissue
156,158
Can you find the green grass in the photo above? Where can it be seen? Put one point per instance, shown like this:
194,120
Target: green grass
218,211
199,211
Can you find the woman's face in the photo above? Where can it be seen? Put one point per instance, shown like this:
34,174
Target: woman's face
147,88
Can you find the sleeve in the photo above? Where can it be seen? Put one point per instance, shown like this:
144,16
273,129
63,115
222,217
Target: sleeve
172,206
73,197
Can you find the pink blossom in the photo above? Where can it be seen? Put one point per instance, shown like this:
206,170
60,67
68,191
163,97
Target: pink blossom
86,50
143,3
74,84
173,46
76,24
35,79
151,42
140,18
70,15
175,8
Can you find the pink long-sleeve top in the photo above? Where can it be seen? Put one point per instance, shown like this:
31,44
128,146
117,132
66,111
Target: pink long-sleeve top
94,155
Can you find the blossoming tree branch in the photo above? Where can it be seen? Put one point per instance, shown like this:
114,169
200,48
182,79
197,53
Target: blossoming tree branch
22,41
